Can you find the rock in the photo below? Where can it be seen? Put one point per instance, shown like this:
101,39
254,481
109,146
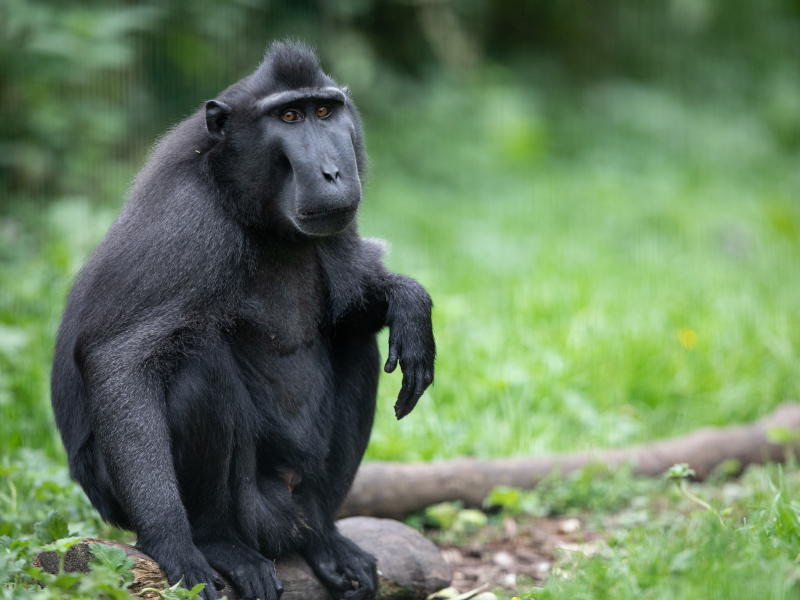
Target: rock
411,566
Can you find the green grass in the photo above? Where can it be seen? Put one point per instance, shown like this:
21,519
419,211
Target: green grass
673,549
649,538
607,269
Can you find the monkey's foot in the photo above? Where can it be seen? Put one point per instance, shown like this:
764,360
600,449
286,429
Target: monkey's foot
344,568
190,568
252,574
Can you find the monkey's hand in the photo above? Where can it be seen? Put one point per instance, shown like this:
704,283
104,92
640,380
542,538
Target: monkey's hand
411,344
346,570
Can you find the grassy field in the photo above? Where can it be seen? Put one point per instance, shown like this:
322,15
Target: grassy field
614,269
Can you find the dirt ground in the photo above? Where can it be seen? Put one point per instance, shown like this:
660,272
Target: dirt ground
518,555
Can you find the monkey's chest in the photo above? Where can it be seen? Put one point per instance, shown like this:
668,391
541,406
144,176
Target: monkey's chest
283,310
280,330
282,350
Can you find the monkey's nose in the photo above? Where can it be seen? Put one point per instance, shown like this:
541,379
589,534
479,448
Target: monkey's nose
331,173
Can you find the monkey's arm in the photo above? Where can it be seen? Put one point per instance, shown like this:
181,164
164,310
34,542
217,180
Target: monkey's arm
371,297
129,420
411,342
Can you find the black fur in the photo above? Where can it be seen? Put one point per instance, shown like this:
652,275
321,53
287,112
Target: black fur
215,373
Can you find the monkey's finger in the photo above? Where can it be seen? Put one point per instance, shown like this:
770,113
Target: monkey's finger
410,393
409,405
332,579
414,394
391,361
402,397
361,575
367,580
218,583
419,379
208,593
360,594
271,586
427,378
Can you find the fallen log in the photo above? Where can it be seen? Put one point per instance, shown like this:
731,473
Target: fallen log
394,490
411,567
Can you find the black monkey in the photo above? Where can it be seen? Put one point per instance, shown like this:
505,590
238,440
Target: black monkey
216,369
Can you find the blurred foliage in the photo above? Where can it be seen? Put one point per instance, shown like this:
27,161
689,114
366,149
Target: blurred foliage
596,488
33,486
85,86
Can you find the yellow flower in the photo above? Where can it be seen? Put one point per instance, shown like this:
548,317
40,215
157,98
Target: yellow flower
687,338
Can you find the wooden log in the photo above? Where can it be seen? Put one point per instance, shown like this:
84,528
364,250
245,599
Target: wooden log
395,490
411,567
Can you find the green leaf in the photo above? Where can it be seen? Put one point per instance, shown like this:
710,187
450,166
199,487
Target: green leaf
680,471
782,435
443,515
176,592
113,559
61,546
470,519
509,498
52,528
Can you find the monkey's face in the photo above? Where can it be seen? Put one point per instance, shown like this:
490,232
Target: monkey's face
306,164
322,190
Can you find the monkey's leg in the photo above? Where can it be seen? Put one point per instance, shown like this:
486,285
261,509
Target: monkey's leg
127,403
214,430
208,416
340,564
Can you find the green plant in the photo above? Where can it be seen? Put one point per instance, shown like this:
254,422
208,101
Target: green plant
679,473
596,488
109,575
176,592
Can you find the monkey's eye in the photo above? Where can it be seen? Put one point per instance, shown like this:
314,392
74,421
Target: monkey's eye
292,115
324,111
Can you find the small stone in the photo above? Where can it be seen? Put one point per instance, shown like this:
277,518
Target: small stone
504,560
509,527
452,556
510,581
569,526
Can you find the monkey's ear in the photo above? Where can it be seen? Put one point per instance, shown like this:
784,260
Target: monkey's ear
217,113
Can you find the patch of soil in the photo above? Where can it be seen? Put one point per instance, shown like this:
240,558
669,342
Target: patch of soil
517,555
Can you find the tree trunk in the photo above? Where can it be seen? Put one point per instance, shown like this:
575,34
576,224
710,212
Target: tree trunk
385,489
